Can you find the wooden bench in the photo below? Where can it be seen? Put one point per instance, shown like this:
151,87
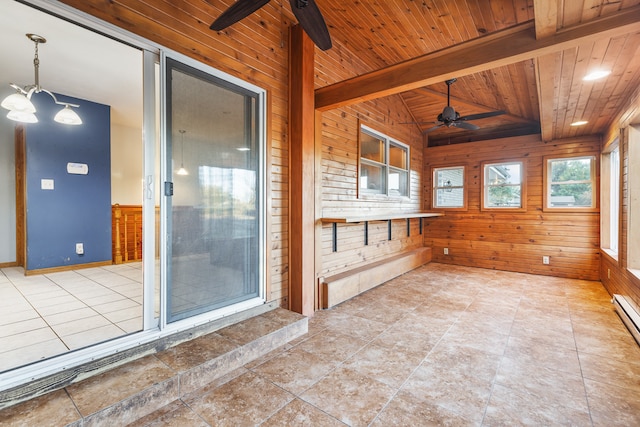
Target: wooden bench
343,286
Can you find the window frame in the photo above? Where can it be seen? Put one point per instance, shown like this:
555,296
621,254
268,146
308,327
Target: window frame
435,188
610,218
547,162
386,166
630,156
523,186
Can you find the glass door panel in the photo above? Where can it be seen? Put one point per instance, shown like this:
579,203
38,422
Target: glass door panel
213,223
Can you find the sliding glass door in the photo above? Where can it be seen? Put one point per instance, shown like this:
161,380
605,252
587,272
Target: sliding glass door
213,129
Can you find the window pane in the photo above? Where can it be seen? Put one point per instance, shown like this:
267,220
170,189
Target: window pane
450,198
500,174
563,170
450,177
214,208
397,156
448,187
503,196
372,178
615,199
570,195
571,182
503,185
398,183
371,148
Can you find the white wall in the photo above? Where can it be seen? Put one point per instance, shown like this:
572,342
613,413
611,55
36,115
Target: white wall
126,165
7,191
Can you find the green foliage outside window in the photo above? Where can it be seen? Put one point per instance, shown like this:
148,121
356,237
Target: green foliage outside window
571,182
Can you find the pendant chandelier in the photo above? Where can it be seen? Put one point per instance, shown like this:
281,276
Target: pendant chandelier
19,104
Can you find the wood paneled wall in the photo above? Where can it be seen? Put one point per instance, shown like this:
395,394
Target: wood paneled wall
513,241
340,197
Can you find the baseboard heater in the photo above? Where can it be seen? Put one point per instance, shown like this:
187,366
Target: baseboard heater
630,317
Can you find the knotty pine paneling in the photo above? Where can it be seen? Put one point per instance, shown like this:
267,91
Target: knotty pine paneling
619,280
513,241
339,185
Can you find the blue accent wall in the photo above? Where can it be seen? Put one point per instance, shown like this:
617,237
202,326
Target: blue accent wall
78,209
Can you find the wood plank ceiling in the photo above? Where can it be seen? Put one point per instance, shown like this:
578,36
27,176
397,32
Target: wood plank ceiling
532,69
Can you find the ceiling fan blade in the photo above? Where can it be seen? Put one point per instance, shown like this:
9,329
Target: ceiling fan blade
433,128
482,115
465,125
311,20
237,11
419,123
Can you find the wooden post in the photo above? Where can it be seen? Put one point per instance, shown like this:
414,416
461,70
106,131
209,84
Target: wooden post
301,172
117,213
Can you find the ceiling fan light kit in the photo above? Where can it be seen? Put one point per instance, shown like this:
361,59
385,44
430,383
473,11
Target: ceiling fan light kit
19,104
306,12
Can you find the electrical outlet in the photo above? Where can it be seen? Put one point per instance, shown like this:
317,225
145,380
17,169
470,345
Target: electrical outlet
446,251
79,248
545,259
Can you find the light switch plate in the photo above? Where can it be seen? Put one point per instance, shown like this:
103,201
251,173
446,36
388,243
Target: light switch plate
46,184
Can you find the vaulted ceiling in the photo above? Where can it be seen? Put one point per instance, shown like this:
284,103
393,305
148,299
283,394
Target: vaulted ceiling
525,57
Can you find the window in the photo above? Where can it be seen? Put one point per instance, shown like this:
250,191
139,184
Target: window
610,202
384,165
570,183
503,185
633,199
448,187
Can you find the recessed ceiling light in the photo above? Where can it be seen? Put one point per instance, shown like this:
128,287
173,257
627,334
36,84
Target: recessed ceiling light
595,75
243,149
579,123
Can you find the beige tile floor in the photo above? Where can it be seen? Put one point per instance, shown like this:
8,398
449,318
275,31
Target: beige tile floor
50,314
442,345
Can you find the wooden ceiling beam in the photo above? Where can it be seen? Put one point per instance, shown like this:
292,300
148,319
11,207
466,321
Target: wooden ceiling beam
546,19
501,48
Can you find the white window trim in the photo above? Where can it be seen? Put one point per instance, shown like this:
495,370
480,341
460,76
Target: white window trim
632,146
435,187
607,203
592,181
522,185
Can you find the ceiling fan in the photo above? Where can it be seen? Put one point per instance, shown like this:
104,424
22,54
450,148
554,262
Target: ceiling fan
451,118
306,11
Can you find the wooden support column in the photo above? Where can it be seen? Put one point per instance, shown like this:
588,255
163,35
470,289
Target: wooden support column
301,172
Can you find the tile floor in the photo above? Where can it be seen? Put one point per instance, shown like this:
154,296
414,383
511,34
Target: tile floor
441,345
49,314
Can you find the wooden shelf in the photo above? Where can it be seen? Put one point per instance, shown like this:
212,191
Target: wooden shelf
366,219
386,217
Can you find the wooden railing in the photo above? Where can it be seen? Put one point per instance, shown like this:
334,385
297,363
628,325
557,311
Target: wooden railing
126,233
